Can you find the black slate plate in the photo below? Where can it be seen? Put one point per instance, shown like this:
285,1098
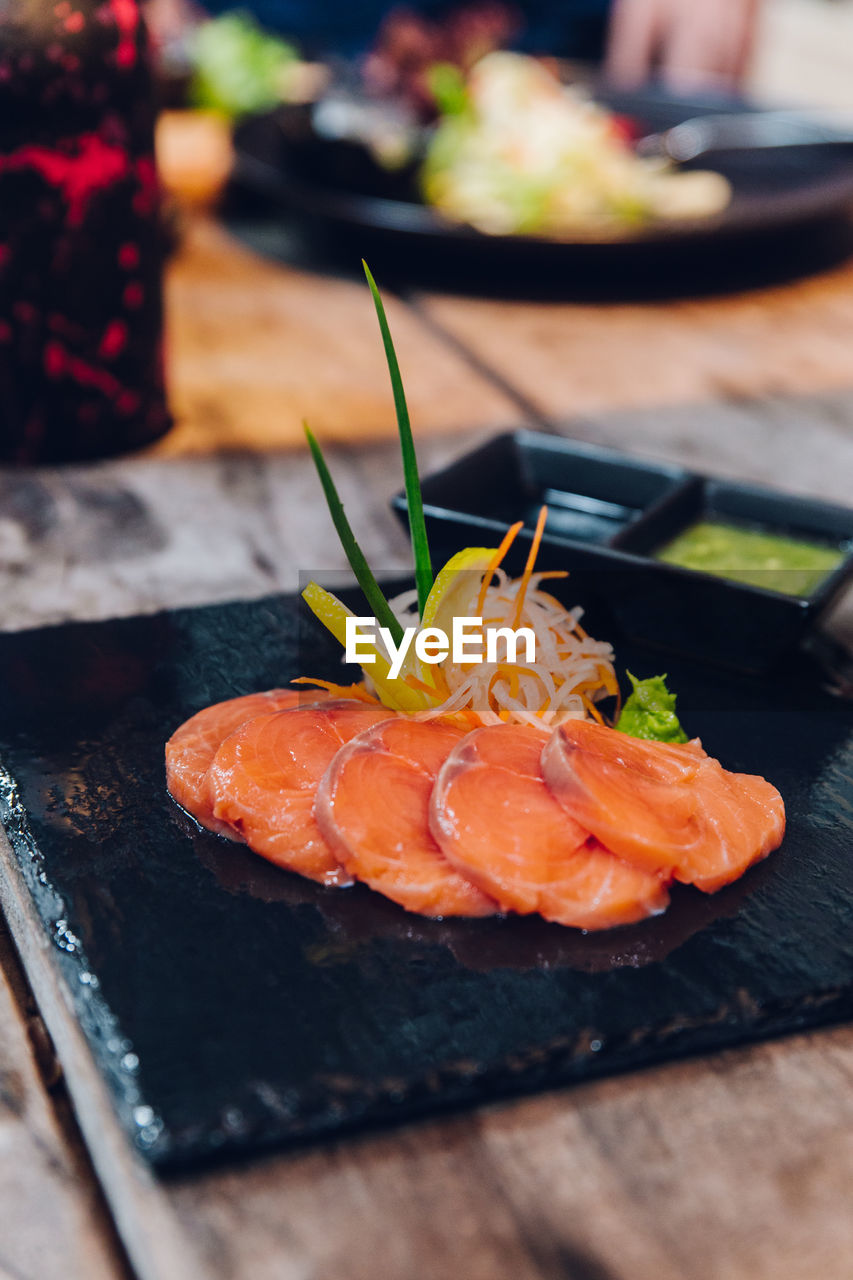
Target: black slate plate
783,201
230,1005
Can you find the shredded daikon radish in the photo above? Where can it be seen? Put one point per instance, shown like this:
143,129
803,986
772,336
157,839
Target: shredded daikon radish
572,671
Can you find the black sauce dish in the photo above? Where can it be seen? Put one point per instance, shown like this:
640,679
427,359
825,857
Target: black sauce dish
609,517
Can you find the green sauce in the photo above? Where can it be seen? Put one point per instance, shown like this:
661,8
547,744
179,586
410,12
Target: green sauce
790,565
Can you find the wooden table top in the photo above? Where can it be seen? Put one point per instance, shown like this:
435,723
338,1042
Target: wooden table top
734,1166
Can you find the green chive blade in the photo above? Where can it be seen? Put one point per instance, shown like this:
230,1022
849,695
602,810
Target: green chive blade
414,499
354,554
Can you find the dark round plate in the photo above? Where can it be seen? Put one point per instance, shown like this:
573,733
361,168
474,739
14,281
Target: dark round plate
788,206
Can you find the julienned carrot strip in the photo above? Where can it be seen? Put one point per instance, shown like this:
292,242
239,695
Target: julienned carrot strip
528,568
508,539
611,684
592,709
356,691
420,685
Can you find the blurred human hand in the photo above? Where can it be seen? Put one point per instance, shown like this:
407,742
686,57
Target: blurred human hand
169,21
686,43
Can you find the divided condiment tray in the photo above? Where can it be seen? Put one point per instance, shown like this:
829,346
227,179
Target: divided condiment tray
609,518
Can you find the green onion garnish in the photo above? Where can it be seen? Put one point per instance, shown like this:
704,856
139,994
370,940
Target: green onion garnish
414,500
355,555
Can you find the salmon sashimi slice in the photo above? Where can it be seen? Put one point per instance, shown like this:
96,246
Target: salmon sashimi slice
264,778
631,793
662,806
191,748
496,821
372,807
743,819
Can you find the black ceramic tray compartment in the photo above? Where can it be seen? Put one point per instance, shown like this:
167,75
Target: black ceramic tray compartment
594,496
230,1005
753,505
718,619
608,513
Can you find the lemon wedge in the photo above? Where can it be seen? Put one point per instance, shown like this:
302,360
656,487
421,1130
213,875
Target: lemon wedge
333,614
454,594
456,588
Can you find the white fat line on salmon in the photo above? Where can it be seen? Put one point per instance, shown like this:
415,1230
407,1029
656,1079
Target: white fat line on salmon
433,646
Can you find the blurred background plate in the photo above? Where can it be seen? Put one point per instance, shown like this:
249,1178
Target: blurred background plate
789,213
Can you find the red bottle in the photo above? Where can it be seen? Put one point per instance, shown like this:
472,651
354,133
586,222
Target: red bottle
81,371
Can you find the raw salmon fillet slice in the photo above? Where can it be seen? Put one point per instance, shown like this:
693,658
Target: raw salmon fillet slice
372,807
191,748
629,792
743,819
498,824
264,778
662,806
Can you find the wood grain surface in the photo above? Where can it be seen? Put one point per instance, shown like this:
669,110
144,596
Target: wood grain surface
735,1167
256,347
52,1214
585,358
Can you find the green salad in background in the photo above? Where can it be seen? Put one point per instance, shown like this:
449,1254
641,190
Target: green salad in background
516,151
238,68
